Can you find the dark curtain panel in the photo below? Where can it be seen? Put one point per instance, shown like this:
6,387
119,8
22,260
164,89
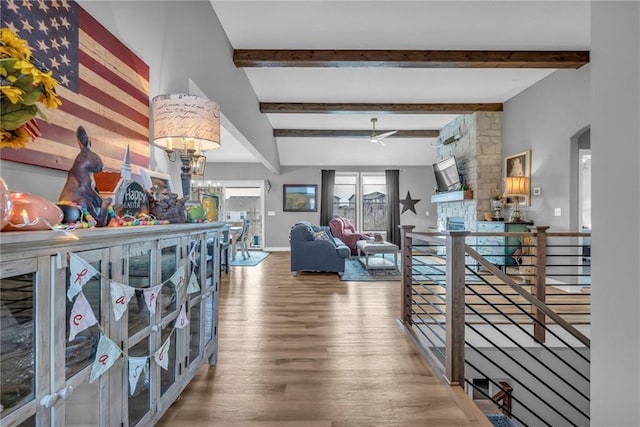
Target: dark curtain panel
326,196
392,177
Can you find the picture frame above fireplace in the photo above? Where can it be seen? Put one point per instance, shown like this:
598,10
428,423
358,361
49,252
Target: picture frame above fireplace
519,165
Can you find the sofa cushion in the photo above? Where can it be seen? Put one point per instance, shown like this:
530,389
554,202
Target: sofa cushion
321,235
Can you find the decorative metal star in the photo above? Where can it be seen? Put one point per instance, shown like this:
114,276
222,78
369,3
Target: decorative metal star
409,204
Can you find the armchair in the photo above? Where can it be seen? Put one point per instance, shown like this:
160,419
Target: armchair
344,230
313,250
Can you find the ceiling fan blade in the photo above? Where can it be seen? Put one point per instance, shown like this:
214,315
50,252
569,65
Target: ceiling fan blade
376,140
386,134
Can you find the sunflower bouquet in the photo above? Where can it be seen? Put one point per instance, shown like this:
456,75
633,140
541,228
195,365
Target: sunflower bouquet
24,82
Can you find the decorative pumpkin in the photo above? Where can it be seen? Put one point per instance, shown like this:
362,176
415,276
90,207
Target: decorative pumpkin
32,212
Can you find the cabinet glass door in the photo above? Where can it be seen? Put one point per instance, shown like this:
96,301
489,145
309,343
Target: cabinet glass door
208,319
170,261
194,299
82,405
81,351
18,320
213,251
140,398
139,276
211,291
194,331
168,376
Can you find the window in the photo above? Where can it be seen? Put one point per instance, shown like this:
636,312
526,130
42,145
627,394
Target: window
374,202
361,197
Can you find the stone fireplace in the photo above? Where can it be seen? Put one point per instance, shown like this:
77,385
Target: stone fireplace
478,155
455,223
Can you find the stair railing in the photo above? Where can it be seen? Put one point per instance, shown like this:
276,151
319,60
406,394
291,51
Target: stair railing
464,321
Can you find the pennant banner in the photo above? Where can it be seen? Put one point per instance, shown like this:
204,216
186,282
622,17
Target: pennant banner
81,317
178,278
81,272
192,254
151,297
193,286
137,368
106,355
120,296
162,355
182,320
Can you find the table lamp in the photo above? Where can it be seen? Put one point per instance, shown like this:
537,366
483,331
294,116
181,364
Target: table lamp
184,124
516,187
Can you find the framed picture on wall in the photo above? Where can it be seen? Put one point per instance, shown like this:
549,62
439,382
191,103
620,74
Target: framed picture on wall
300,198
519,165
156,182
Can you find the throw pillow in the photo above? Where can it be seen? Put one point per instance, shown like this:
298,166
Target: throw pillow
321,235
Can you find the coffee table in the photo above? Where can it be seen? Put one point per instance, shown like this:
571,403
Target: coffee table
369,247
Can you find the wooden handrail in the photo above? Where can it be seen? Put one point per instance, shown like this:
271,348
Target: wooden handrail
503,398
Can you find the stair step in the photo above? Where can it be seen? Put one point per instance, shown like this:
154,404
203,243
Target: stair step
487,406
499,420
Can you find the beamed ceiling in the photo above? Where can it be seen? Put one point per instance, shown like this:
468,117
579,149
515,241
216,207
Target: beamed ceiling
321,70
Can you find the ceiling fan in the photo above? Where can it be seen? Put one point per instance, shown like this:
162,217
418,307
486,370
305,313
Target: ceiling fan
378,139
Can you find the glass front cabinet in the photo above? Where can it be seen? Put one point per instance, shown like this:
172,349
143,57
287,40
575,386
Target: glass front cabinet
50,343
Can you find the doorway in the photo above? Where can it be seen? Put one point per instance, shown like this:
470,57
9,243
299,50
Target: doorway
581,197
238,200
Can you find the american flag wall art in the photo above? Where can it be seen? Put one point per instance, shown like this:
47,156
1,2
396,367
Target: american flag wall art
103,86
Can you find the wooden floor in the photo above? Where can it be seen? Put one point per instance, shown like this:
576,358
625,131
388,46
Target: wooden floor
314,351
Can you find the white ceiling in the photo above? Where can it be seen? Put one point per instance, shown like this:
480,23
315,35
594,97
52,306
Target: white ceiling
359,24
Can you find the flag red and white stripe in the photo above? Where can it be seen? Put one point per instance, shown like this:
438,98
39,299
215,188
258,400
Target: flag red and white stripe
33,129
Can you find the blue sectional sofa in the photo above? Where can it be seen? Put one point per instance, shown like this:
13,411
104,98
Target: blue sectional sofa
314,248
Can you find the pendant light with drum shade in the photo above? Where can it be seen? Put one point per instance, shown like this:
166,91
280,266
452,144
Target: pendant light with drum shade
185,124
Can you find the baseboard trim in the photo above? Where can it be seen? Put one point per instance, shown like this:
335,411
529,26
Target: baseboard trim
277,249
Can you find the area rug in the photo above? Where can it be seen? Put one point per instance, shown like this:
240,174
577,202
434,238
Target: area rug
354,271
256,258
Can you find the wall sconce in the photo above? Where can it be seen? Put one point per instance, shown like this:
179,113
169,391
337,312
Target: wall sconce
267,185
184,124
516,186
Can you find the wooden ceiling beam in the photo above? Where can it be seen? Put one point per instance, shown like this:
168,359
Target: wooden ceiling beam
342,108
334,133
411,58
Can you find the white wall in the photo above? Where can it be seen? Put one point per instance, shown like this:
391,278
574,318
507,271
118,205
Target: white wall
182,40
615,147
544,118
419,180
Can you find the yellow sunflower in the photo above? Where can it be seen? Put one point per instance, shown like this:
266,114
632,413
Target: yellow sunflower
24,82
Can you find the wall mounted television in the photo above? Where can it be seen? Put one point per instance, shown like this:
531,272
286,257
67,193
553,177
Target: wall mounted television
447,177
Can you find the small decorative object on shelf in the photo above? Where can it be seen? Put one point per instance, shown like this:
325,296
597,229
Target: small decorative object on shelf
195,212
497,205
210,205
166,207
130,197
32,212
80,187
24,82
